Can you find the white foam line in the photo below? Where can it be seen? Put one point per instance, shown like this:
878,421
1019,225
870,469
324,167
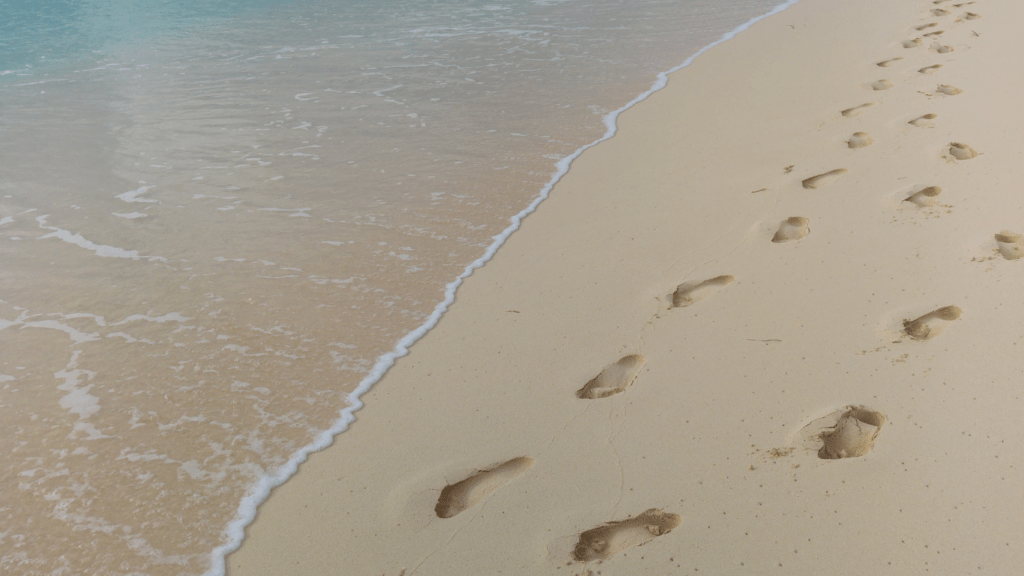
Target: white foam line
235,531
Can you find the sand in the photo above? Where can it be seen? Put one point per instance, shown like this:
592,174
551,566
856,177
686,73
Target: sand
783,422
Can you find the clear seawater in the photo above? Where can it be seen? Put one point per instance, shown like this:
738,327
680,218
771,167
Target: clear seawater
215,218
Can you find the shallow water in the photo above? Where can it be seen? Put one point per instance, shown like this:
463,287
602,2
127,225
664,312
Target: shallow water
214,218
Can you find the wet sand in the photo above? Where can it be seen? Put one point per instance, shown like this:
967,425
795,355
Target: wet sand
772,326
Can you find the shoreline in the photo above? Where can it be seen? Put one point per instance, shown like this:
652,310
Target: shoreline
720,404
248,508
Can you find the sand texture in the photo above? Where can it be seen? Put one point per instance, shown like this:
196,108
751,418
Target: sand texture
690,378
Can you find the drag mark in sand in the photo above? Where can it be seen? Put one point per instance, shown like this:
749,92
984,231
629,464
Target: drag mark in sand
857,110
793,228
613,379
605,541
887,63
690,293
824,179
465,494
931,324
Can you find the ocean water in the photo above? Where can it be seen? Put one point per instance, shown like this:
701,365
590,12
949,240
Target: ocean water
218,220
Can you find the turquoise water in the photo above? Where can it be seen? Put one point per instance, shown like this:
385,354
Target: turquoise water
217,218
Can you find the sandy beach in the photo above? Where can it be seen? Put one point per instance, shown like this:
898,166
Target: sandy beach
768,328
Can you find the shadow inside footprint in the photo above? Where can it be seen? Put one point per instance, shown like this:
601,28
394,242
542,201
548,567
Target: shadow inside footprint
1011,245
605,541
949,90
935,34
887,63
914,43
924,26
971,16
613,379
853,435
940,12
931,324
859,140
823,179
930,69
923,121
962,151
691,292
794,228
857,110
924,197
881,85
456,498
944,49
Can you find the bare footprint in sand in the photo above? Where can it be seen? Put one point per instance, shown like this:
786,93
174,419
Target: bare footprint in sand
857,110
940,12
794,228
859,140
881,85
925,197
456,498
931,324
934,34
913,43
613,379
605,541
923,121
1011,245
925,26
962,151
887,63
853,435
971,16
824,179
930,69
948,90
689,293
943,49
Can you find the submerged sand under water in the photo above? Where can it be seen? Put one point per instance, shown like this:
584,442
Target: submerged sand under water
208,239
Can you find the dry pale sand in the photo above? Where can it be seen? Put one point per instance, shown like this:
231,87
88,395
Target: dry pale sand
850,401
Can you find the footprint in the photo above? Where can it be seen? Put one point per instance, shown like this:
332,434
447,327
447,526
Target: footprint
605,541
460,496
930,69
931,324
940,12
934,34
794,228
857,110
692,292
824,179
971,16
882,85
859,140
887,63
914,43
613,379
949,90
853,435
1011,245
924,26
939,1
923,121
925,197
962,151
